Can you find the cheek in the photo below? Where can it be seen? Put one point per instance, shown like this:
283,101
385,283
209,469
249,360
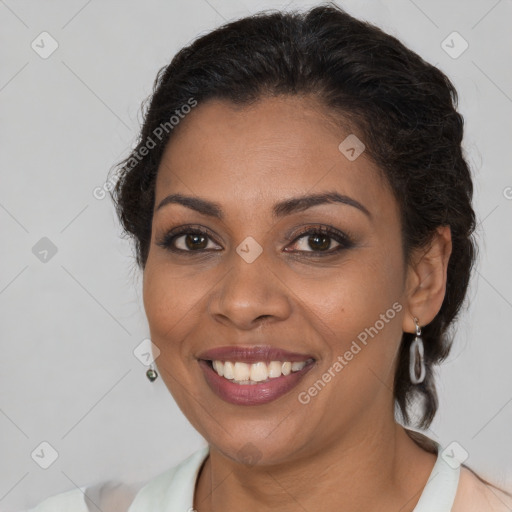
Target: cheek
354,296
171,310
171,305
357,311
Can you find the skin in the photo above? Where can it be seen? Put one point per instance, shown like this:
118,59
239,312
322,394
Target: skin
343,450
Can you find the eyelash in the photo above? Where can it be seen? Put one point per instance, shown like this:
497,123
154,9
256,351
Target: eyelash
345,242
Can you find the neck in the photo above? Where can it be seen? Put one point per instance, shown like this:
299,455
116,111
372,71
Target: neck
378,468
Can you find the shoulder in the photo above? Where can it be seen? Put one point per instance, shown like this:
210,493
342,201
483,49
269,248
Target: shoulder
175,485
70,501
106,496
476,495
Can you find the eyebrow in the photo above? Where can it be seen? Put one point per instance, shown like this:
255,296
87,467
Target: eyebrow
281,209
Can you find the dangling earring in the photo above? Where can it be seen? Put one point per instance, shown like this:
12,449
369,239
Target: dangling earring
151,373
416,360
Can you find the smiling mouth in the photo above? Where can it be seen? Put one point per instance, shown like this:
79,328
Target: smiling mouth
253,374
253,383
260,372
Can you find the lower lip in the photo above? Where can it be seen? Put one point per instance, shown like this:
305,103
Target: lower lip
251,394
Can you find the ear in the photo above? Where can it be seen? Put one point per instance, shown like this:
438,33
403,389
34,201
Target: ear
426,280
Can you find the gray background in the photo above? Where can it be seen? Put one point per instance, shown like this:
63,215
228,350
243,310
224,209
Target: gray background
69,325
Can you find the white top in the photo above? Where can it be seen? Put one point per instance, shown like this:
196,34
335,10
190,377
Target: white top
174,490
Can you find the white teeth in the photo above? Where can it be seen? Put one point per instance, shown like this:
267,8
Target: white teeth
298,366
244,373
218,367
274,369
259,372
227,369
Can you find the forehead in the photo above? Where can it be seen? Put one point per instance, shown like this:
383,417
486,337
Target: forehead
277,147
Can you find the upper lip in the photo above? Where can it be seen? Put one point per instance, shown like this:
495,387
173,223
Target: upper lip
256,354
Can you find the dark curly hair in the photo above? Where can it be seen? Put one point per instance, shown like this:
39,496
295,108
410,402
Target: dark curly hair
404,107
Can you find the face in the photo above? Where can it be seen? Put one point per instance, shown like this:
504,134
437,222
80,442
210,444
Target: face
324,281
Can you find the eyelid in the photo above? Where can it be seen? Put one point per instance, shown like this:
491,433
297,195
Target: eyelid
172,234
320,228
344,240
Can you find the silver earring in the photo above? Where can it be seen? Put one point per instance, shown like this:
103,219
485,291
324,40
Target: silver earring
151,373
416,359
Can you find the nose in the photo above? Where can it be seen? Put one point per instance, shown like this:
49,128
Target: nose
250,294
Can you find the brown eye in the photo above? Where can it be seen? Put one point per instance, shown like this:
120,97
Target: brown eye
194,241
317,241
187,240
320,240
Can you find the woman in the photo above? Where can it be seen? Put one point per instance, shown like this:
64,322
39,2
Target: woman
301,211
